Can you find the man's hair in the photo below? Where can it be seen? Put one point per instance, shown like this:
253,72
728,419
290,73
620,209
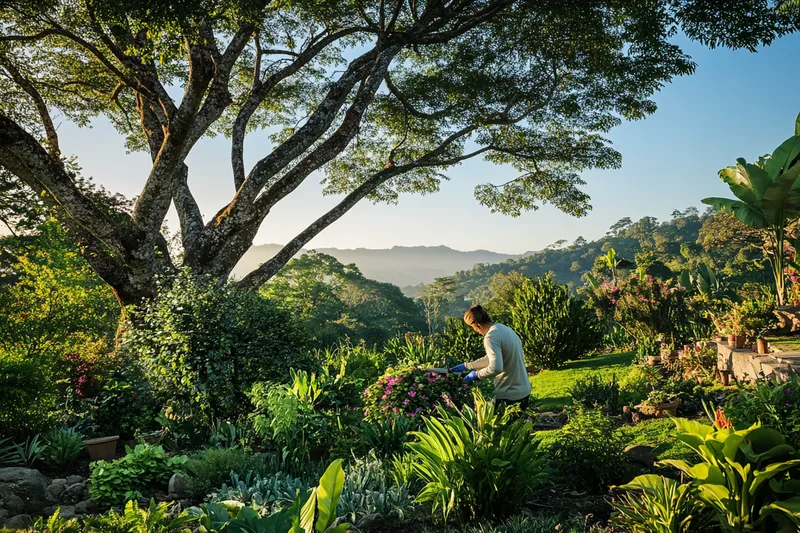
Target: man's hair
476,315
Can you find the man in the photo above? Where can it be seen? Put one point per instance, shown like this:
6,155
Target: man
503,360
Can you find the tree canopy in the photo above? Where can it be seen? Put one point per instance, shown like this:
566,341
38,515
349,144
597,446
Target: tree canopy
382,97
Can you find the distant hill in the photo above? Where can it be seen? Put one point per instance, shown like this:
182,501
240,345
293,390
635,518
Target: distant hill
400,265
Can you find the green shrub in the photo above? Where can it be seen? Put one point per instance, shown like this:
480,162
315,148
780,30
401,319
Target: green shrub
587,452
414,349
62,447
413,392
29,397
480,464
368,489
554,326
205,345
157,518
111,483
594,391
776,405
208,469
660,505
267,494
386,436
459,341
636,385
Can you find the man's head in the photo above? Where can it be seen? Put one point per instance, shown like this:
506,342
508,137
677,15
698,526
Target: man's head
477,317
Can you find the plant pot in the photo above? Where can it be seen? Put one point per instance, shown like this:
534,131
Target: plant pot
762,345
725,377
659,410
732,340
653,360
740,341
102,449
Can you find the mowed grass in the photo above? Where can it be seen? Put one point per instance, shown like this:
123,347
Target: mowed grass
550,387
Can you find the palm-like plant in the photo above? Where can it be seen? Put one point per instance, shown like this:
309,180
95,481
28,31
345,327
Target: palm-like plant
768,198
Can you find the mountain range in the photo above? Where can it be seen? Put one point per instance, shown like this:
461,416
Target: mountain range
401,265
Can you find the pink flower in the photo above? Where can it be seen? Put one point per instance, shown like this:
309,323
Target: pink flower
384,396
366,393
431,380
396,410
412,393
645,300
412,415
406,401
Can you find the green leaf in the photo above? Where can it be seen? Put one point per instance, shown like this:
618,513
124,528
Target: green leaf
777,205
783,157
743,212
790,508
328,493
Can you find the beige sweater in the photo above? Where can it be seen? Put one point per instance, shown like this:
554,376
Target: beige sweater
504,361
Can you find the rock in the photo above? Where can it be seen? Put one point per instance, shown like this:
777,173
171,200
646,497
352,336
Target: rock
178,484
161,497
54,491
64,511
71,480
369,521
86,507
13,503
28,483
21,521
75,493
4,514
640,454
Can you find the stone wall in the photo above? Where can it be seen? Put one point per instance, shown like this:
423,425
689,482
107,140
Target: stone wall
748,366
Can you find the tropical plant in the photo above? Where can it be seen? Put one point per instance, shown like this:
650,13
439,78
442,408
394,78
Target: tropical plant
660,505
768,198
554,326
29,452
773,404
595,391
313,511
477,464
412,391
267,495
61,447
744,476
56,524
369,490
227,434
459,341
208,469
415,349
385,436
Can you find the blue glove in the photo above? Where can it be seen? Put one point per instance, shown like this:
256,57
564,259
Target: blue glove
472,376
461,367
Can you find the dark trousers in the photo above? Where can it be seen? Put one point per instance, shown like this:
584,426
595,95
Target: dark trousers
523,403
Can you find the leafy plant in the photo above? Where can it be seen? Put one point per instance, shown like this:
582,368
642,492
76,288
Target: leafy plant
766,199
156,518
660,505
595,391
142,466
774,404
385,436
29,452
411,391
553,325
459,340
227,434
743,476
61,447
587,454
265,494
415,350
368,490
478,464
57,524
208,469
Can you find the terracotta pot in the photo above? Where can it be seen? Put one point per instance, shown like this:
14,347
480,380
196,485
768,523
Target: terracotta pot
725,377
732,340
740,341
763,346
102,449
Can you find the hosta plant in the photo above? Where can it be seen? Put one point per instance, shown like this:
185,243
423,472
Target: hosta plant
413,392
476,464
660,505
748,478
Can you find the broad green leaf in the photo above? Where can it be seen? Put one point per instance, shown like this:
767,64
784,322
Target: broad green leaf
745,213
789,508
783,157
765,474
776,197
328,493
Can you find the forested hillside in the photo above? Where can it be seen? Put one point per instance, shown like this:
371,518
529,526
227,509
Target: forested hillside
663,248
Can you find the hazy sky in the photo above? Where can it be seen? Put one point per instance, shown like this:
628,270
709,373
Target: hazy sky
737,104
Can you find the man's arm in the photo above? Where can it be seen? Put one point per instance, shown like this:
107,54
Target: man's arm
494,358
477,364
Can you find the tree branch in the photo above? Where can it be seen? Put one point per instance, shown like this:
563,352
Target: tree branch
414,112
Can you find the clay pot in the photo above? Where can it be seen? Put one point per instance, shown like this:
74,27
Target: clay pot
725,377
762,345
740,341
102,449
732,340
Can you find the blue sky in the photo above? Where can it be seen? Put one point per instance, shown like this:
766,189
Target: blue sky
737,104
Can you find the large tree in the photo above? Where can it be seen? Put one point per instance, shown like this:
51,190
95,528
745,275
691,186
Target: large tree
382,96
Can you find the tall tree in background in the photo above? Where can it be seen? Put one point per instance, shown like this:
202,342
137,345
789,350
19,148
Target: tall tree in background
380,96
433,297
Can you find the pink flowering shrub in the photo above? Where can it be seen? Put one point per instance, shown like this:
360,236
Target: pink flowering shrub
413,392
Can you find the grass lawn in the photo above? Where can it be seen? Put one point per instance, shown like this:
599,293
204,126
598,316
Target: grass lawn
785,344
550,386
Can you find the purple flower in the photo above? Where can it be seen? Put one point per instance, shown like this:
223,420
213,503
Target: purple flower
787,405
412,393
788,392
431,380
406,401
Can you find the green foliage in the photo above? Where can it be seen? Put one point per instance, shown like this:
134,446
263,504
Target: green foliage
356,364
661,505
766,199
594,391
459,341
418,350
636,385
588,453
287,422
554,326
385,436
156,518
29,396
337,303
62,447
267,495
204,345
208,469
773,404
312,512
111,483
479,464
368,490
413,392
744,477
